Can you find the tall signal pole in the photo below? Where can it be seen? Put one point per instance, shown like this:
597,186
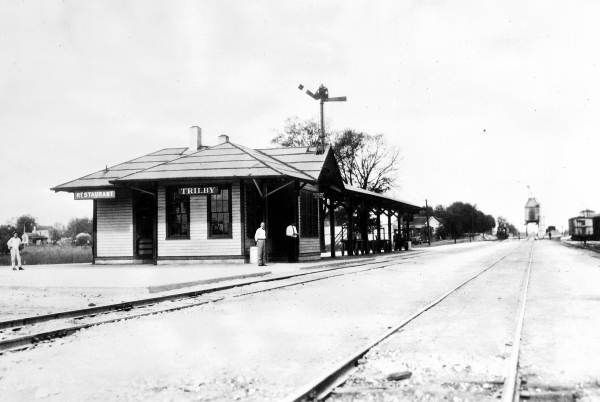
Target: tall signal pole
322,95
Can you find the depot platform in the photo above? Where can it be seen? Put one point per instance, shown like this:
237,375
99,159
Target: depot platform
43,289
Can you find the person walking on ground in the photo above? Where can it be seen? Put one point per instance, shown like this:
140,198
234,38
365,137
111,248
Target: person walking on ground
260,237
15,256
291,237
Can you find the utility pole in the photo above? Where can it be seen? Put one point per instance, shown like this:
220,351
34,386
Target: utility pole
427,217
322,95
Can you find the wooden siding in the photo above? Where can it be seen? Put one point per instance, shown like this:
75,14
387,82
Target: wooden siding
309,245
115,227
199,244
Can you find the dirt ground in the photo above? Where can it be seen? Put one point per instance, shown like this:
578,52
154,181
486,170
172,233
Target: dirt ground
269,345
561,335
458,351
259,347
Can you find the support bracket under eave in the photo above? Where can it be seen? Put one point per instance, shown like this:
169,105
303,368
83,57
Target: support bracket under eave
143,191
258,188
279,188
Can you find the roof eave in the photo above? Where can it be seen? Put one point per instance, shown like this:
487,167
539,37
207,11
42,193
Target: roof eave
162,179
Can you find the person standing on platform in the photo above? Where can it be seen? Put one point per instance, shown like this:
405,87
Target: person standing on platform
260,237
291,237
14,243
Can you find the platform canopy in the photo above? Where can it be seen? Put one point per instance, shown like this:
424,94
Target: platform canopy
380,200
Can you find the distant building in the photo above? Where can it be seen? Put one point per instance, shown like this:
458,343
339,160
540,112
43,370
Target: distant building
418,227
585,226
37,237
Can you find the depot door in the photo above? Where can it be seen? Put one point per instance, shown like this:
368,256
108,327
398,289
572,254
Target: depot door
144,216
282,211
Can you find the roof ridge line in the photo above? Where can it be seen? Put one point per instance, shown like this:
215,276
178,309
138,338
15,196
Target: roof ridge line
243,149
164,149
162,163
282,162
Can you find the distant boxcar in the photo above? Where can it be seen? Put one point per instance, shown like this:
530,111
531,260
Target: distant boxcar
581,228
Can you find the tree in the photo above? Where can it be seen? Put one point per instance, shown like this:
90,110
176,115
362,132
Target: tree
366,161
6,232
298,133
55,235
83,239
26,223
79,225
460,218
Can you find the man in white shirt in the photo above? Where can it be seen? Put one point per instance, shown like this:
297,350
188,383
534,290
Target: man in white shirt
260,237
291,237
15,256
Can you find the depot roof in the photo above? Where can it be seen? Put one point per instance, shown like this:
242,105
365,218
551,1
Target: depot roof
226,160
103,178
229,160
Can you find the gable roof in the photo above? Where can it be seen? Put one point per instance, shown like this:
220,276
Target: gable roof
321,166
225,160
302,158
103,178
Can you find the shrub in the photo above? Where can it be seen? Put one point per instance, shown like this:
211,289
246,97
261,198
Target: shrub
83,239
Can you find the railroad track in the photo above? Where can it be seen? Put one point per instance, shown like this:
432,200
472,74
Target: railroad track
321,387
23,333
512,381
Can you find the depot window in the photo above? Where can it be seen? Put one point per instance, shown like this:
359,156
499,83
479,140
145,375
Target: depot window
309,214
219,214
178,214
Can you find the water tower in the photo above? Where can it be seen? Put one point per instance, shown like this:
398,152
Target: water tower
532,213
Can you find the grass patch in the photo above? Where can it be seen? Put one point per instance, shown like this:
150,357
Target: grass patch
51,254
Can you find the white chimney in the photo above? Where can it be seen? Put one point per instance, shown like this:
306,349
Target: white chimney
223,138
195,142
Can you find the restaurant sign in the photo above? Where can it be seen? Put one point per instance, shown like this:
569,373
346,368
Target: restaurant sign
94,195
201,190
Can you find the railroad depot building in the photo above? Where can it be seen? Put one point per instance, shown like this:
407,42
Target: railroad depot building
205,203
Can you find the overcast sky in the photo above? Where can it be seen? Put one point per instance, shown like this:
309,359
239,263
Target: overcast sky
86,84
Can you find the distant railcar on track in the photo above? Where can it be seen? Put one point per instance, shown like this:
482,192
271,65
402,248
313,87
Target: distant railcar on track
585,227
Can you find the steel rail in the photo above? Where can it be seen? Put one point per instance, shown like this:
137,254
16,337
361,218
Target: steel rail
509,391
322,386
128,305
24,341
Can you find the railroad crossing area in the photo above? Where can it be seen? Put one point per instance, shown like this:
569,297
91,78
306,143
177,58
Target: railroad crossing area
512,320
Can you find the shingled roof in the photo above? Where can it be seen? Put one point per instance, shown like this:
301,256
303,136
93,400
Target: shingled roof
103,178
226,160
302,158
230,160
